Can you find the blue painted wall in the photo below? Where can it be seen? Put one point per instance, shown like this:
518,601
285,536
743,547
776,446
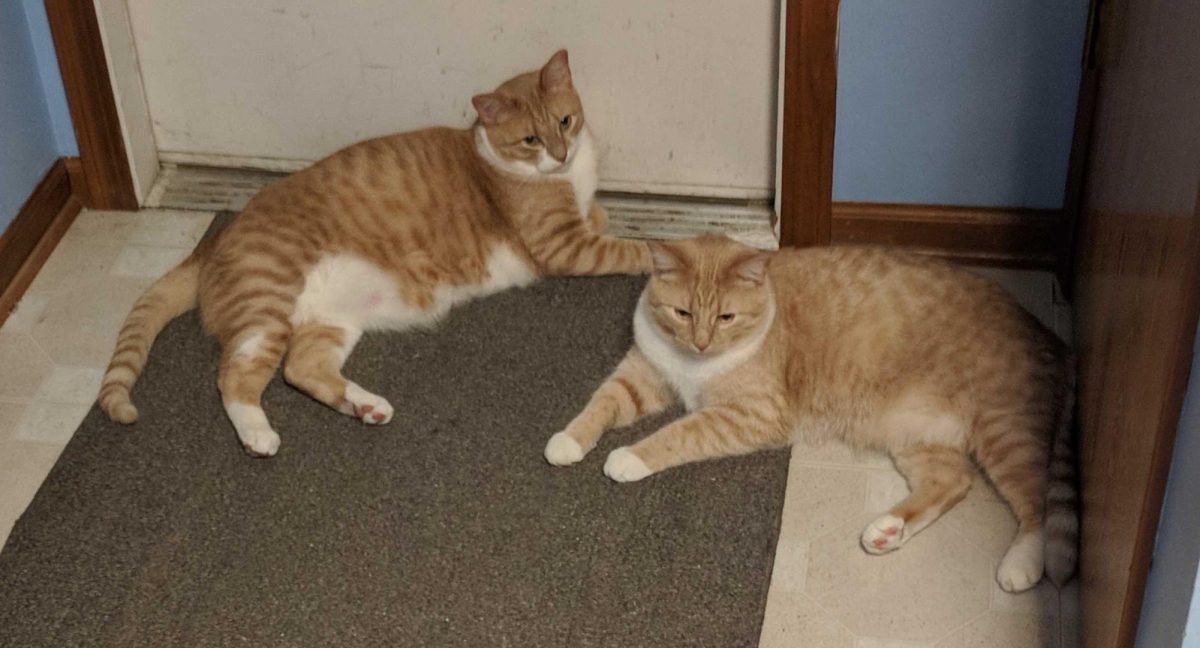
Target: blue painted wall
963,102
35,128
52,86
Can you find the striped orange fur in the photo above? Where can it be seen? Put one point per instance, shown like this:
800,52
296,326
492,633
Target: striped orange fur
878,348
385,234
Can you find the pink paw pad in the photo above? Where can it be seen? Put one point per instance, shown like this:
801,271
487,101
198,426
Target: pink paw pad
884,534
367,407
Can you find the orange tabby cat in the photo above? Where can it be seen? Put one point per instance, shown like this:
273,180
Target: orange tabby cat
385,234
878,348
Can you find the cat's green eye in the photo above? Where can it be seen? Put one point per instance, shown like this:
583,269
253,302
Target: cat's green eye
726,317
682,313
532,139
565,122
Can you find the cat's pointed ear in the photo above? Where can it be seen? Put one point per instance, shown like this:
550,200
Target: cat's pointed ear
556,74
666,259
752,268
492,107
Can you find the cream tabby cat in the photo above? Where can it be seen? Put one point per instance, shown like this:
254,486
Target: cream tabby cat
878,348
385,234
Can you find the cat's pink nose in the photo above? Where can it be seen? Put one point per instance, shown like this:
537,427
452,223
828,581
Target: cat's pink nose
558,151
701,346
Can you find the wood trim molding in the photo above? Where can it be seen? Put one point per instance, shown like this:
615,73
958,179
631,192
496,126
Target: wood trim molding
1081,137
809,112
79,187
1009,237
1186,237
81,59
27,242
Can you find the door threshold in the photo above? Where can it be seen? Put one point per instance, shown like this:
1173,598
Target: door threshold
206,188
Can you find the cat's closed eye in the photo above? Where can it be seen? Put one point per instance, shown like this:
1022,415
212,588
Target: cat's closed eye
565,122
532,139
683,314
726,317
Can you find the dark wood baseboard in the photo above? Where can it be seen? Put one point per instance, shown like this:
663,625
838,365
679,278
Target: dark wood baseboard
31,237
75,173
1016,238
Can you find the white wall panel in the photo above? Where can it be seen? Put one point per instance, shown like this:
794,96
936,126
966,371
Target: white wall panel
130,96
680,93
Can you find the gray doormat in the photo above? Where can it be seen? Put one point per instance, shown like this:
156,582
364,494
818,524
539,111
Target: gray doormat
444,528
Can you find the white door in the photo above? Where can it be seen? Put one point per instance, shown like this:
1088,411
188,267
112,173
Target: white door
680,93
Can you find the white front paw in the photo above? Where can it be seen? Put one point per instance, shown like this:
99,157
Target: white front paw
625,466
562,450
259,441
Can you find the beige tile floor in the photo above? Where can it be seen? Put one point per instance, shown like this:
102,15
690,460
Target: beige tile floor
938,591
54,348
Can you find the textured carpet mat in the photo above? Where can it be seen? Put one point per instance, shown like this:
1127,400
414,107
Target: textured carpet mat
444,528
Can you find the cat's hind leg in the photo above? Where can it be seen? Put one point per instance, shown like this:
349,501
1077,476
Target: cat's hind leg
314,366
938,477
1017,462
248,361
634,390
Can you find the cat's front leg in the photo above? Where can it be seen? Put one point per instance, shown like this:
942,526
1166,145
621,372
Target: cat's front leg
598,217
708,433
634,390
563,243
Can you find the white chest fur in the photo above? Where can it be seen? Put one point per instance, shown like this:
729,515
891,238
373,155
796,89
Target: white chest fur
349,291
579,169
687,372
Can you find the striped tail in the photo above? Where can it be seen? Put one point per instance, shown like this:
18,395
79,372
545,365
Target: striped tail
1062,500
171,296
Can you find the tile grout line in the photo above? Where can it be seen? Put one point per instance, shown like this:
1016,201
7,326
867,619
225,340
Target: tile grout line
854,637
177,235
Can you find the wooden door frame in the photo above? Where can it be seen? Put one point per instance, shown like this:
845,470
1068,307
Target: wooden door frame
1147,522
107,179
809,112
1081,136
1111,247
